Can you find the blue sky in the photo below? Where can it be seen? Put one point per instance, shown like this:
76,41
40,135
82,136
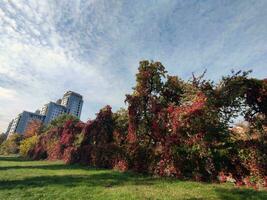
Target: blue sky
93,46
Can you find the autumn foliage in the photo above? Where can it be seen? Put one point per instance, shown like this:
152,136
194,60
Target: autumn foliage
33,128
172,128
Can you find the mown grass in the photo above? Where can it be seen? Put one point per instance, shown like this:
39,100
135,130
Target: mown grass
20,179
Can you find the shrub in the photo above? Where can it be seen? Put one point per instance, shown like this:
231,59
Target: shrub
27,145
11,145
171,128
121,165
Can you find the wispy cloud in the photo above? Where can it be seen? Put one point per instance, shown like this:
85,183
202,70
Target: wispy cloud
93,47
7,93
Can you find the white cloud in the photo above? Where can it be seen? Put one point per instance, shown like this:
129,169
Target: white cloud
93,47
35,57
7,93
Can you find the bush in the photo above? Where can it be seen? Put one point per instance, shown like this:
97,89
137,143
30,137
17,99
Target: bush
171,128
11,145
27,145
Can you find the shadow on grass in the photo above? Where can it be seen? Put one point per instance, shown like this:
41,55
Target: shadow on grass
14,158
46,167
102,179
115,179
106,179
241,194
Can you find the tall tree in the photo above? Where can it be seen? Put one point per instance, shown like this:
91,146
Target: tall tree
145,99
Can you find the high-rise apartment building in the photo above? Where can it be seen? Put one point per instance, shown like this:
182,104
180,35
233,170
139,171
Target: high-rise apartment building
9,127
20,123
73,102
52,110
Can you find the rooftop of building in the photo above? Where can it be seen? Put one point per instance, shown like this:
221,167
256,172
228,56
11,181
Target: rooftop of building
56,104
72,93
32,113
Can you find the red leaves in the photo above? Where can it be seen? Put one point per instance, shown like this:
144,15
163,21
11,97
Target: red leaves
90,143
265,182
166,168
51,145
179,114
173,128
222,177
33,128
121,165
131,137
70,155
67,139
38,153
156,129
55,151
166,125
194,139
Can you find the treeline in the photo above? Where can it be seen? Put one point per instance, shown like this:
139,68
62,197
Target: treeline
171,127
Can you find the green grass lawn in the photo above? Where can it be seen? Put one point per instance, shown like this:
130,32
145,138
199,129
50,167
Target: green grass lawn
20,179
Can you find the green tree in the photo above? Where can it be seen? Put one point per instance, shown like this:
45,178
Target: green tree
121,123
145,98
11,145
61,120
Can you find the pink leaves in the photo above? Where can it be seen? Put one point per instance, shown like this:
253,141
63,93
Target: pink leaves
121,165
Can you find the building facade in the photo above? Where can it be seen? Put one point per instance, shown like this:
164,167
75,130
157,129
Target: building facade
20,123
52,110
9,127
73,102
